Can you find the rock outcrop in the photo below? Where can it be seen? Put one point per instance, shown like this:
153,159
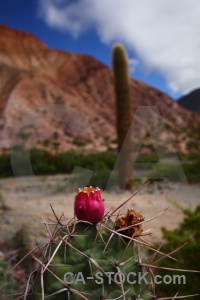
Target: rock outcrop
61,101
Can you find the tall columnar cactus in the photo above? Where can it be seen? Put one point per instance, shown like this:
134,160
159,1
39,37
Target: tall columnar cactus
124,115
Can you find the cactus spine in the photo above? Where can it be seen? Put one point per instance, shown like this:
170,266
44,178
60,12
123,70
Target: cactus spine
91,261
95,261
124,115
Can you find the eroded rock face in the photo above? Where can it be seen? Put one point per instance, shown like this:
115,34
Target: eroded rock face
60,101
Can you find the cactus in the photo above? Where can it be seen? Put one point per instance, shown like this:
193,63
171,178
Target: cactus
91,261
124,115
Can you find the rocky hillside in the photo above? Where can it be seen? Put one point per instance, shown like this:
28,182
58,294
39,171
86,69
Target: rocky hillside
61,101
191,101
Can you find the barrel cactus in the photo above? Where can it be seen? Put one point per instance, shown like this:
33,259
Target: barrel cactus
93,258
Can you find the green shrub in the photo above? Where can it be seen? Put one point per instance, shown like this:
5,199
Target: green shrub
189,157
192,171
192,145
6,280
145,162
43,162
100,178
5,166
187,257
170,171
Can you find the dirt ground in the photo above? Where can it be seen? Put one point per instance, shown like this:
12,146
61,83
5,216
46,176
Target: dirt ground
27,201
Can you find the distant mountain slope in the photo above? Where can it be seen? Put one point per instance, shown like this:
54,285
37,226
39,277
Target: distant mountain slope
191,101
61,101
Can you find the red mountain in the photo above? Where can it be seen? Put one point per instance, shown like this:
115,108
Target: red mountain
53,99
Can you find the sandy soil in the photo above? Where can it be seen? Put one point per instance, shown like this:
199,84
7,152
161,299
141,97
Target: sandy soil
28,199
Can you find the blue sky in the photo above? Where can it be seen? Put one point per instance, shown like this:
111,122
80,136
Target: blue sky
162,38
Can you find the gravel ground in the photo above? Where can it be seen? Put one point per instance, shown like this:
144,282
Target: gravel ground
27,200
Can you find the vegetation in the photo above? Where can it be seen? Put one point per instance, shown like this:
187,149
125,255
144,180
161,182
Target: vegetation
186,171
12,280
44,163
6,280
172,172
192,171
189,157
187,257
145,162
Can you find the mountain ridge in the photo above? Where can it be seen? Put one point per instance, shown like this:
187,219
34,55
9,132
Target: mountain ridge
71,97
191,101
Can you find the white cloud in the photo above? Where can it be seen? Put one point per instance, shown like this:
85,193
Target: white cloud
65,16
164,33
133,64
